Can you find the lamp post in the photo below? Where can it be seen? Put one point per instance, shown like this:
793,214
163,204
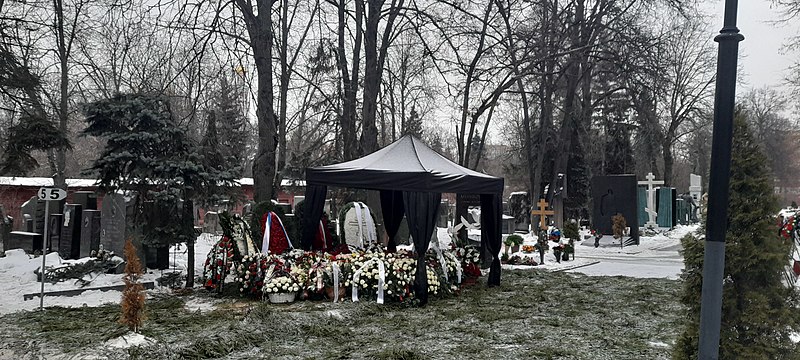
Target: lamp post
719,181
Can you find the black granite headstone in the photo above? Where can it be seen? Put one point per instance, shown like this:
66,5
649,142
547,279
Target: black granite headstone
69,247
24,240
90,232
613,194
113,223
86,199
54,232
5,227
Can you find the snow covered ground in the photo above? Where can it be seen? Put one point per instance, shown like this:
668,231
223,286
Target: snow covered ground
656,257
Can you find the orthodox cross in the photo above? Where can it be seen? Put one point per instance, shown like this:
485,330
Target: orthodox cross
542,213
651,198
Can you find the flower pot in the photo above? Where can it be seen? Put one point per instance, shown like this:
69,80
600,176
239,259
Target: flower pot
282,298
514,248
329,292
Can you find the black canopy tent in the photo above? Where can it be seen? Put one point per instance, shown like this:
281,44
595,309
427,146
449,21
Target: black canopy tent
411,179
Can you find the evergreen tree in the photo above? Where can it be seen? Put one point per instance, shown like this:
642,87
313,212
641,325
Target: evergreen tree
33,130
232,128
759,312
148,153
413,125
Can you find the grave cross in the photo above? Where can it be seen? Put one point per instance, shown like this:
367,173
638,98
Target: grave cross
542,213
651,198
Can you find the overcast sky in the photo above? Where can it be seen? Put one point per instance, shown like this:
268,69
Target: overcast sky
762,61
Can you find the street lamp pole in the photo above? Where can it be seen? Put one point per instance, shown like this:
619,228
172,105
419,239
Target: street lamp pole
719,181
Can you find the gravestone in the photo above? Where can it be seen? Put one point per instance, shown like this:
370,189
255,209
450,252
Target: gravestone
90,232
113,223
28,211
444,216
403,234
54,232
6,222
86,199
358,228
69,247
211,223
613,194
156,214
519,205
641,200
651,208
508,226
24,240
5,227
665,218
695,187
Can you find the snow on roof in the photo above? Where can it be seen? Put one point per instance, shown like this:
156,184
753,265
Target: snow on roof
88,183
284,182
43,181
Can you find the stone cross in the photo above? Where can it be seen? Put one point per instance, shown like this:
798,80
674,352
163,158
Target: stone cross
542,213
651,199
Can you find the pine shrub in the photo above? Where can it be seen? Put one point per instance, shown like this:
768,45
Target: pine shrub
759,311
133,296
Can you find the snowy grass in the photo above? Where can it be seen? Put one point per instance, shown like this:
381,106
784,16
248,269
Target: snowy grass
532,315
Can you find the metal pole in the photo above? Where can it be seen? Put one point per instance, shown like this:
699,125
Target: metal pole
719,182
44,251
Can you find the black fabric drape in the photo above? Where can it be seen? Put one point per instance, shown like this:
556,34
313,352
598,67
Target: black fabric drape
491,217
312,212
392,209
421,211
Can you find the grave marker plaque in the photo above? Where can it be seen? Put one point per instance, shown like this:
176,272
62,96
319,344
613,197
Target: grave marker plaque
90,232
69,247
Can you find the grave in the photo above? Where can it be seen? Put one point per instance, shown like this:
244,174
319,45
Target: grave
665,206
156,214
5,227
211,223
542,213
651,209
508,226
54,232
113,222
519,206
90,232
444,214
695,187
28,211
86,199
24,240
359,226
613,194
69,246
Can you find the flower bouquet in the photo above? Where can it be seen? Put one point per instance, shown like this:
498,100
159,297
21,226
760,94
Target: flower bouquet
281,289
255,269
220,260
368,280
400,278
337,268
528,249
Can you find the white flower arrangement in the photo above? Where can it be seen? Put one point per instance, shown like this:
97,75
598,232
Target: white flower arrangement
281,284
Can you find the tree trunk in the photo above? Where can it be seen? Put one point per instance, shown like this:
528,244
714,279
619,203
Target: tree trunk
283,93
188,222
372,78
669,160
260,31
59,178
350,84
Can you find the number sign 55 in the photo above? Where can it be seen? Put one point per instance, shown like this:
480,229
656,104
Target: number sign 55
51,194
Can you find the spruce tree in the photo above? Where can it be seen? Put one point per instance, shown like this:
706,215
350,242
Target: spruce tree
231,128
413,124
759,311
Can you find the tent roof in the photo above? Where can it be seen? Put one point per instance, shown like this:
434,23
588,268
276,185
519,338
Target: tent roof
408,165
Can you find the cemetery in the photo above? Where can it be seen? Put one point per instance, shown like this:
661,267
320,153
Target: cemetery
426,179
